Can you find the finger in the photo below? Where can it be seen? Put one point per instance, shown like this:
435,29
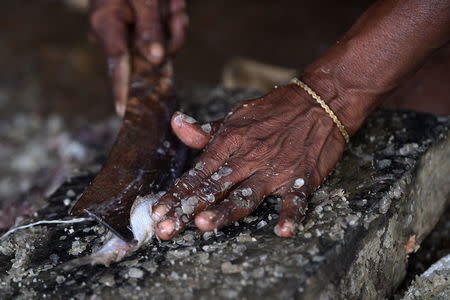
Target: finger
207,193
149,30
177,25
293,209
208,163
119,70
109,21
239,204
190,132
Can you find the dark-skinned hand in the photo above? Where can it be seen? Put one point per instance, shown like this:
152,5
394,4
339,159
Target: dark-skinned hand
156,28
284,143
281,144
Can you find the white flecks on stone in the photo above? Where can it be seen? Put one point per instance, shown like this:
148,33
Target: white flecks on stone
161,151
408,149
299,182
307,235
261,224
318,209
229,268
66,202
352,220
77,247
60,279
166,144
135,273
384,204
207,235
206,127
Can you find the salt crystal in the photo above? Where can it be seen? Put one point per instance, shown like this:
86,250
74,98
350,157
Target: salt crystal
135,273
206,127
299,182
199,165
246,192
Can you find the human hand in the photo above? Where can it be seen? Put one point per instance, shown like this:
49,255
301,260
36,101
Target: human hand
158,30
281,144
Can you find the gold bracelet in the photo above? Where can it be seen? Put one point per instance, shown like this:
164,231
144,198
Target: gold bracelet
319,100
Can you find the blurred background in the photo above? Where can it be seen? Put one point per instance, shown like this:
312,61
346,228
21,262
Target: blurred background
44,47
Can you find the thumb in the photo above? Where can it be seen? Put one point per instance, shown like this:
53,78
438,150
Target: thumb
192,133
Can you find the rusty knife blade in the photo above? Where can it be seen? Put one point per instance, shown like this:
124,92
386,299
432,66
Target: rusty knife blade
146,156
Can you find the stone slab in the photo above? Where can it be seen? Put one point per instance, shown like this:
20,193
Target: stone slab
380,202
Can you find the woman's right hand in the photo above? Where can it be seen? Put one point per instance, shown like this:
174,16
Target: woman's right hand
156,28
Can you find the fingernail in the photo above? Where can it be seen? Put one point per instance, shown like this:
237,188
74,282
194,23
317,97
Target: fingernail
206,220
156,51
178,120
119,70
159,212
166,229
120,109
286,230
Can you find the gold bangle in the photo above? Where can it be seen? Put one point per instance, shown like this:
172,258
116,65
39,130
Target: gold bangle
322,103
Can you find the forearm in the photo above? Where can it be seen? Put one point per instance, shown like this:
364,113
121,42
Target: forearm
388,42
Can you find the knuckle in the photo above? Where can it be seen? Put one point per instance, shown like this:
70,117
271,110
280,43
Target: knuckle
232,139
216,153
260,148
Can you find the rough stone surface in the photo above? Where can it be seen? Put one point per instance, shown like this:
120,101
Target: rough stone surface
433,283
380,202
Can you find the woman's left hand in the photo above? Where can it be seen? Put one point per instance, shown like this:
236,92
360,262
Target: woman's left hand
281,144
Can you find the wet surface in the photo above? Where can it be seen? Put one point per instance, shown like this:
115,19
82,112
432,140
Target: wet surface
364,213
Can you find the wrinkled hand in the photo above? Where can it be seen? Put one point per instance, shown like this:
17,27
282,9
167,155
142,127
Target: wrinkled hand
281,144
158,29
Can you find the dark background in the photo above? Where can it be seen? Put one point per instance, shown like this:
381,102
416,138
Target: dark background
48,66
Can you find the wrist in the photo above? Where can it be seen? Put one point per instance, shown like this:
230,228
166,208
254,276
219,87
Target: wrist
337,81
